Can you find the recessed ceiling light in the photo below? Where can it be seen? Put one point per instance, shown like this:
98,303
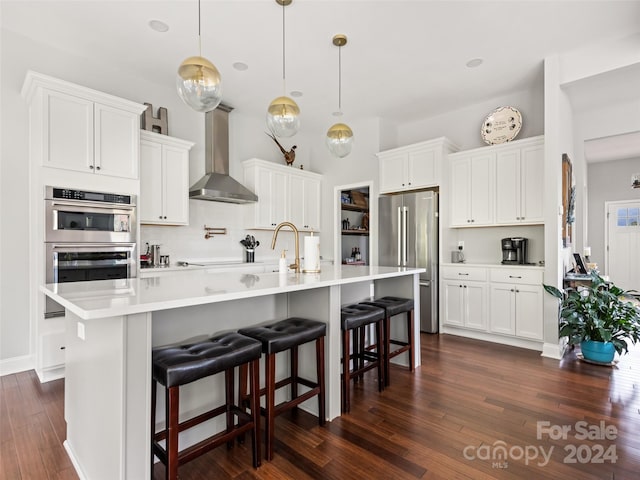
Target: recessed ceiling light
474,62
240,66
296,93
158,26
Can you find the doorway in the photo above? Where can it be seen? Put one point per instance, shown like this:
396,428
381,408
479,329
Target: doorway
354,224
622,243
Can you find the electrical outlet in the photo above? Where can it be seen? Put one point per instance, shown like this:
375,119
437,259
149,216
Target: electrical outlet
460,245
81,330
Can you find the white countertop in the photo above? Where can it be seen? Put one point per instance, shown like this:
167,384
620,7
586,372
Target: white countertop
107,298
493,265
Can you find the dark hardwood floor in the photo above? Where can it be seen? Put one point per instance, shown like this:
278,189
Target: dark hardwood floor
468,400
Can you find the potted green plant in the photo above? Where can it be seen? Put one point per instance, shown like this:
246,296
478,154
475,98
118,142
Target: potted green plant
600,318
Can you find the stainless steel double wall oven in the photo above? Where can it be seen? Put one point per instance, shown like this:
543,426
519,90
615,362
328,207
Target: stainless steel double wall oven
88,236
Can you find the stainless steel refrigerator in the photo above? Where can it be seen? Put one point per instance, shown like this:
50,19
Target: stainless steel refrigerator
408,237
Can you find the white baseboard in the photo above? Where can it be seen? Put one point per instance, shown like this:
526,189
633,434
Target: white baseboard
73,459
49,374
554,350
17,364
493,338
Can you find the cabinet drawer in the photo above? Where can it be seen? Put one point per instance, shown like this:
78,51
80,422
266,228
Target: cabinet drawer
464,273
53,350
516,275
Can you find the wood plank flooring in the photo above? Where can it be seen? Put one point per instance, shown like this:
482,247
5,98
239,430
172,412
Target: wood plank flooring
446,421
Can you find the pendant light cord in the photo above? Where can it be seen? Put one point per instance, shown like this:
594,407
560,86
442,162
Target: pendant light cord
199,33
340,79
284,84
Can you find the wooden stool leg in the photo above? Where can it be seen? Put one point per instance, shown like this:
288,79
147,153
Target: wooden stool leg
154,396
322,416
294,372
386,349
379,352
346,360
172,409
270,385
359,351
229,399
411,341
254,372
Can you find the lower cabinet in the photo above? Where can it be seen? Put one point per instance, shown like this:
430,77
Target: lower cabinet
465,304
506,301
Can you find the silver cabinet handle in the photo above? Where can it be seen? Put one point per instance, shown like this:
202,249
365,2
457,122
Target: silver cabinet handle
515,276
462,273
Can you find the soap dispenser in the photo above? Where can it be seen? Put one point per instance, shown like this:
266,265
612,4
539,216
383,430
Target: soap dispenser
282,265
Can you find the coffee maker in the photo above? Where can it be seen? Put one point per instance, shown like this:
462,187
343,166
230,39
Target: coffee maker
514,250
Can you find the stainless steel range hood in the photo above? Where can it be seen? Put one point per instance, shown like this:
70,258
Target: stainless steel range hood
217,185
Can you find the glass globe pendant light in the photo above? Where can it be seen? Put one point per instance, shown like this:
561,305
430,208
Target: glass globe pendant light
198,81
339,138
283,114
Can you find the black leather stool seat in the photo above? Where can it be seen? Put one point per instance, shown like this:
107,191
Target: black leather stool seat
358,315
277,337
177,365
286,334
354,318
182,364
393,305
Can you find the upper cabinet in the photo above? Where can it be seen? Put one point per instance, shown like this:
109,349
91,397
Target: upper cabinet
498,185
472,189
284,194
519,182
164,186
76,128
414,166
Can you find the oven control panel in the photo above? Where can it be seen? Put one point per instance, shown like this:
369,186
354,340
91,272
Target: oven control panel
68,194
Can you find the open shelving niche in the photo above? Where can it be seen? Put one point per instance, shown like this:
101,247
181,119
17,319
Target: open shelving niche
355,213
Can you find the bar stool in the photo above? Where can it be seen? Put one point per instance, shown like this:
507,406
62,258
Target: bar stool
174,366
284,335
395,306
356,318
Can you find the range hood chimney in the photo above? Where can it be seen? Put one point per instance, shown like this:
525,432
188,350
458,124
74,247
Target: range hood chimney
217,185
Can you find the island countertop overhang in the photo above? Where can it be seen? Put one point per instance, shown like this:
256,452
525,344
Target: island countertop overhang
108,298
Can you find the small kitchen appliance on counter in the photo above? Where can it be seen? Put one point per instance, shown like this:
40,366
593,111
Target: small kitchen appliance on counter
514,250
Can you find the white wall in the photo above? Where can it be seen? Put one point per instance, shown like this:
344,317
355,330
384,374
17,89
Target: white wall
607,181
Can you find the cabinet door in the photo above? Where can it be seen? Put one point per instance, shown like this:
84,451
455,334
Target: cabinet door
460,188
311,204
528,311
475,305
151,183
393,172
68,132
508,187
532,182
453,303
116,142
175,173
422,168
482,184
279,198
296,200
502,308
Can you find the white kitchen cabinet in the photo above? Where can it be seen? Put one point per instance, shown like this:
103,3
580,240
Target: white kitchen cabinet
76,128
471,187
284,194
414,166
464,291
516,302
465,304
164,183
519,183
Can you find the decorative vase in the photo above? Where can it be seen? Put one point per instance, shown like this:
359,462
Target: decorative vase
601,352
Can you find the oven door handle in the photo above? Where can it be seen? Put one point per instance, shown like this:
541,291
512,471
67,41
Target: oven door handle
87,206
92,246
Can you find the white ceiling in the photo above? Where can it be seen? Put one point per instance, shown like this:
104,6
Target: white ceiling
404,59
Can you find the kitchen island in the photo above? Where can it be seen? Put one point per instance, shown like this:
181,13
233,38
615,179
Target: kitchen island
112,325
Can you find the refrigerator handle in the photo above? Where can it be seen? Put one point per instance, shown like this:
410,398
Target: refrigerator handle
405,211
399,237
